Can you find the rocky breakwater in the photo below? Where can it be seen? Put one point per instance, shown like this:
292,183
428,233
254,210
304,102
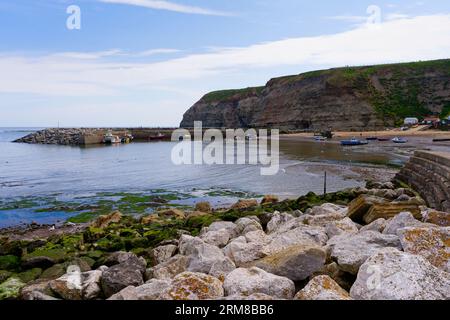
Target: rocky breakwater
269,251
429,174
64,136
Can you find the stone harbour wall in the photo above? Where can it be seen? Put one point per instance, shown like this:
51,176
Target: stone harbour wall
429,174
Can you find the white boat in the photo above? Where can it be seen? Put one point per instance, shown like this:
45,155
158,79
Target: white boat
320,138
109,138
399,140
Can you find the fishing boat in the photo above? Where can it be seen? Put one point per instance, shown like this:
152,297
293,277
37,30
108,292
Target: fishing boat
320,138
383,139
158,137
372,138
109,138
354,142
399,140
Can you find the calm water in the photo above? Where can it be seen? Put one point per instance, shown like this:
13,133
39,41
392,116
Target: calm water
41,170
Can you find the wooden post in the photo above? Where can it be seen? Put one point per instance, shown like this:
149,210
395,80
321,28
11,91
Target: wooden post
325,183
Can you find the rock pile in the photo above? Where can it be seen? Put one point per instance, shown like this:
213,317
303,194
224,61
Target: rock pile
329,252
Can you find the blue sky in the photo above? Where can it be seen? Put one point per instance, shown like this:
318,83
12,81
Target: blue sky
145,62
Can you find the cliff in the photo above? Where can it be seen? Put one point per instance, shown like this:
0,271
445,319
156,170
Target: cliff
350,98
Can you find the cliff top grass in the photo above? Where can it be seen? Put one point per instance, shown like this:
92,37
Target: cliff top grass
227,94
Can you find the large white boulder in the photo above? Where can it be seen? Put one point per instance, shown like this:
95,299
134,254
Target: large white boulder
254,280
391,274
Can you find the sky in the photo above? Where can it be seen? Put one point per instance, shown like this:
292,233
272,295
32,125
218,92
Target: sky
145,62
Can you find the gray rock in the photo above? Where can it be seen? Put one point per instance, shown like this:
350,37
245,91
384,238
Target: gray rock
248,224
163,253
217,238
322,288
254,280
277,220
431,243
377,225
221,268
351,251
339,227
168,269
242,253
203,257
296,262
193,286
300,234
394,275
218,225
121,276
402,220
151,290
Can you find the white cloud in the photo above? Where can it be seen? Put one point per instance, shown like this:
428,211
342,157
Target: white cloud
349,18
396,16
418,38
169,6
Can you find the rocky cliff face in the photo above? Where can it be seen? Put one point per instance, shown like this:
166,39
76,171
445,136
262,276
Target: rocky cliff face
352,98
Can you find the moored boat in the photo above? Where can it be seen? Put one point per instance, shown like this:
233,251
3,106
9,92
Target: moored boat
399,140
353,142
159,136
109,138
320,138
372,138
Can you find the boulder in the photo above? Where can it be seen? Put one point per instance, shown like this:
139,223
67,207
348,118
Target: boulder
339,227
242,253
258,236
377,225
322,288
54,272
296,262
221,268
277,220
218,225
10,289
248,224
69,286
244,204
203,257
169,268
321,220
254,280
369,208
121,276
91,285
188,244
402,220
162,253
299,235
172,213
328,209
269,199
351,251
332,270
394,275
151,290
122,257
431,243
203,206
36,295
193,286
104,221
217,238
437,217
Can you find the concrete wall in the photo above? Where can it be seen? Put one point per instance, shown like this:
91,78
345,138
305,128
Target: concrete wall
429,174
